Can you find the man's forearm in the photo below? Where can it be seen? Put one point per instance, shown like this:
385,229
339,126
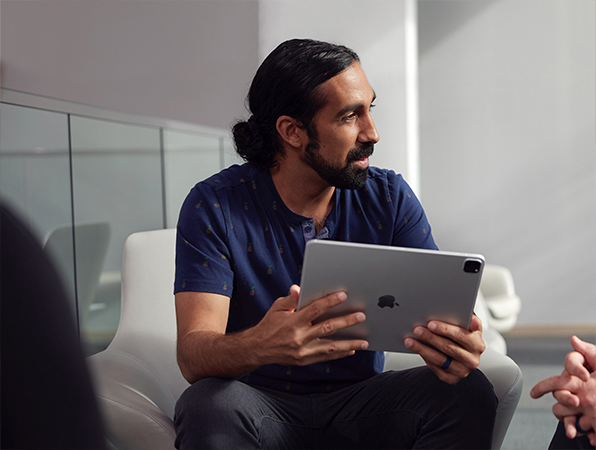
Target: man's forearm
203,354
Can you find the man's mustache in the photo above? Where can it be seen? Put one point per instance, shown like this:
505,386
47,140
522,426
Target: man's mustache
364,151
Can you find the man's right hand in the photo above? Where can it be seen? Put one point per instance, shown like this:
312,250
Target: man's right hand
291,337
284,336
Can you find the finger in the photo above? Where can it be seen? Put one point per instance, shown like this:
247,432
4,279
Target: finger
444,376
359,332
566,398
584,424
319,306
327,350
341,310
592,438
468,355
587,349
545,386
332,326
574,364
288,303
561,411
469,340
549,385
570,430
435,361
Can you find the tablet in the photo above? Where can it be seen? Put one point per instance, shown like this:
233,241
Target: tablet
396,287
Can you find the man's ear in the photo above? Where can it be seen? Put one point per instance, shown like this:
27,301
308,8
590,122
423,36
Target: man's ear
291,132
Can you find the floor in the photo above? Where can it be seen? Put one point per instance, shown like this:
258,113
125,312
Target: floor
539,357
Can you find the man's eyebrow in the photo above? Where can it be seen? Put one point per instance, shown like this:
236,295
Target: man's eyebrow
354,106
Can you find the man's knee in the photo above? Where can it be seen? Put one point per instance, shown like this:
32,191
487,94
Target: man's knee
478,402
479,389
215,413
469,396
211,397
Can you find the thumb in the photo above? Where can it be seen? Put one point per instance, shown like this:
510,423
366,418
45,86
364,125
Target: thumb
290,302
586,349
475,323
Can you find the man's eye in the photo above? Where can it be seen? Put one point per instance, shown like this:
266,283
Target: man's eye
350,116
371,107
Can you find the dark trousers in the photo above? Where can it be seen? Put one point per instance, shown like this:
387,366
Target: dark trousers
396,410
560,440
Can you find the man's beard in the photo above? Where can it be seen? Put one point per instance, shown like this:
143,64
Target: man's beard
347,177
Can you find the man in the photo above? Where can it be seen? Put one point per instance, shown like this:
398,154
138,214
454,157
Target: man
264,375
575,391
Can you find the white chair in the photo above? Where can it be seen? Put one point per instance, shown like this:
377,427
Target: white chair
137,378
503,304
492,337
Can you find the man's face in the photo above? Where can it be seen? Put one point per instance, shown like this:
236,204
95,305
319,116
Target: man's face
343,133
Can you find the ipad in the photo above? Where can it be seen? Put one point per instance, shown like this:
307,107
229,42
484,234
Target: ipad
396,287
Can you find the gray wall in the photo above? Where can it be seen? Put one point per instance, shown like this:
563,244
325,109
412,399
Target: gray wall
508,144
193,61
189,61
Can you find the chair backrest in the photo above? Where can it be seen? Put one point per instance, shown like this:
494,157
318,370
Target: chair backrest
92,240
147,329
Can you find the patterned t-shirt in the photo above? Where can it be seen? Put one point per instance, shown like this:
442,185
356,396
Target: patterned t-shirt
236,237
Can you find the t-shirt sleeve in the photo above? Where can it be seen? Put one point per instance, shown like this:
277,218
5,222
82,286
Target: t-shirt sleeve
411,228
202,254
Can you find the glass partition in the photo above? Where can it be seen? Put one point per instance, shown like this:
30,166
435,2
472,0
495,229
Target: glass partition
116,191
35,181
188,159
83,184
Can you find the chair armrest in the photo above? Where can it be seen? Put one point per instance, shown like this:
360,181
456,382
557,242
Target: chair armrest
507,380
132,421
503,306
136,405
496,280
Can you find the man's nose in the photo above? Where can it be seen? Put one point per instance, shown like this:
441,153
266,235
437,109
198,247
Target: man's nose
369,132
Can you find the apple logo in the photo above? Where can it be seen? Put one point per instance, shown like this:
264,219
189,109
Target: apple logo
387,300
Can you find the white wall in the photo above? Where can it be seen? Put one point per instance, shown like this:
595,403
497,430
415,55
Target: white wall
188,61
375,30
508,144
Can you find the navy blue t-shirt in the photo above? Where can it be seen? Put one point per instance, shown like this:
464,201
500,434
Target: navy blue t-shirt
236,237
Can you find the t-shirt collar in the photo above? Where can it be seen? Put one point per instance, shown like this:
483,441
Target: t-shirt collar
291,216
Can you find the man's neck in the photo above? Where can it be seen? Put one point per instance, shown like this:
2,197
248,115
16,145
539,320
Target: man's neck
303,191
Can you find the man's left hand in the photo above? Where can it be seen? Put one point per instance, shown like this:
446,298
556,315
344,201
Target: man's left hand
462,346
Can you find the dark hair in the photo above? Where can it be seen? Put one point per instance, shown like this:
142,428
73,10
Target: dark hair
286,84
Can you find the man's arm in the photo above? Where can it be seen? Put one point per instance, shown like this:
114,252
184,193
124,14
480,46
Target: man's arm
284,336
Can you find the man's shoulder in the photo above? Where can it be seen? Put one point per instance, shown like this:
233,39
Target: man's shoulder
382,187
376,173
229,178
382,181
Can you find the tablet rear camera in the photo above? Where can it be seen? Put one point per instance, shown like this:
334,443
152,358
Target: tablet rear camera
472,266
